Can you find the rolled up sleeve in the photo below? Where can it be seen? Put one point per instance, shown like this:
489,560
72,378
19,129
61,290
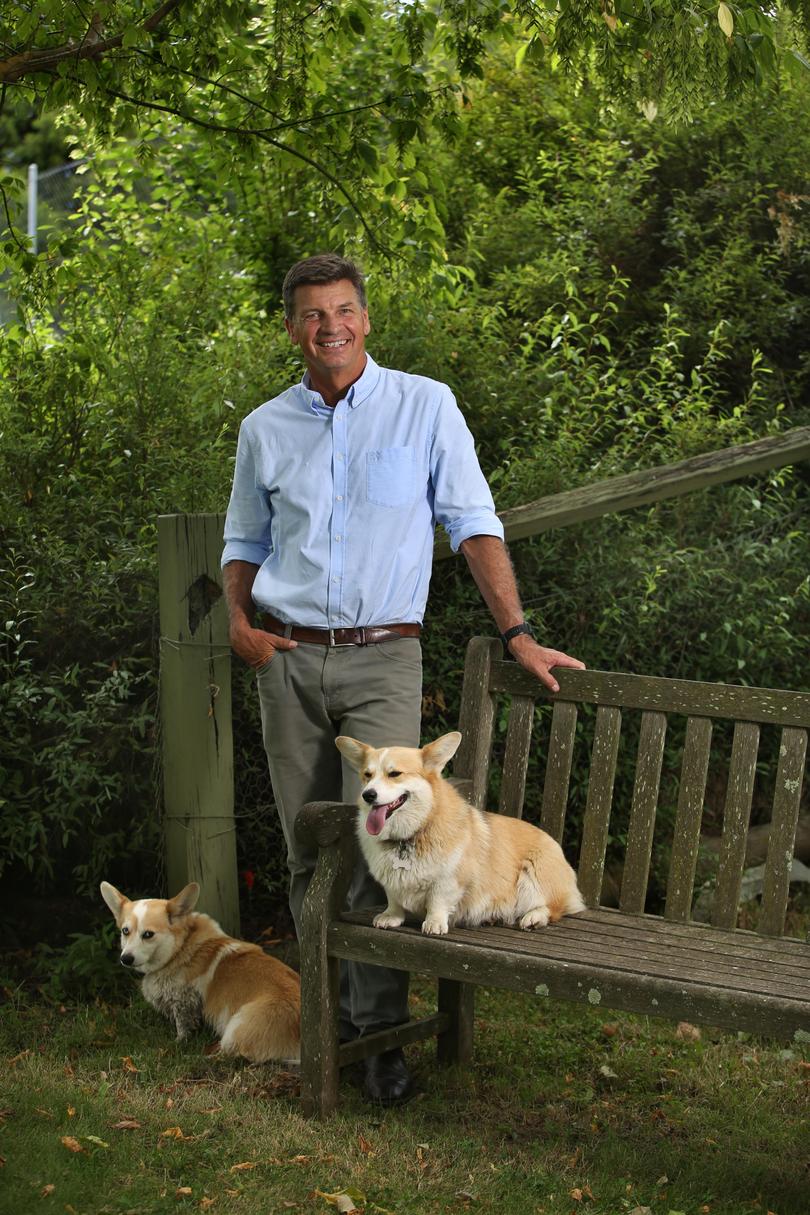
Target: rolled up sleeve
462,502
248,522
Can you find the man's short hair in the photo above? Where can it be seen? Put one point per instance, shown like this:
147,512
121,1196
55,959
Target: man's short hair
323,268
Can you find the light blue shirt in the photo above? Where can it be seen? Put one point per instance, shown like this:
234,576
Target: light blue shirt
338,506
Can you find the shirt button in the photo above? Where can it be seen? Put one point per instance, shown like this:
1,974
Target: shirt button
337,537
339,498
340,455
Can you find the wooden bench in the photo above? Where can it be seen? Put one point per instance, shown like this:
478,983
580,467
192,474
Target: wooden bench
662,965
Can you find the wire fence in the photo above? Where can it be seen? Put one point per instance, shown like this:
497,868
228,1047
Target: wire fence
51,199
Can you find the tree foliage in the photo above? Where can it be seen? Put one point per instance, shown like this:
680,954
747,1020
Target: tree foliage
354,90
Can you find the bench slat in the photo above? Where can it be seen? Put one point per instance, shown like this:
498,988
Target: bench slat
516,757
688,817
784,820
592,981
558,768
598,806
642,811
685,696
736,815
718,966
477,717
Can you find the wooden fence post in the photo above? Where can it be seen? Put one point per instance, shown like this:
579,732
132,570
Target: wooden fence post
195,707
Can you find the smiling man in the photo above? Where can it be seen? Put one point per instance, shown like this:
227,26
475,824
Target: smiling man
339,483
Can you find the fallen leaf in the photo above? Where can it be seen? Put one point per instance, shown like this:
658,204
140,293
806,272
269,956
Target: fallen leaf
244,1166
576,1194
126,1124
299,1159
607,1072
662,1180
95,1139
205,1203
169,1102
71,1144
45,1113
344,1200
466,1196
22,1055
46,1191
71,1111
687,1032
172,1132
129,1066
183,1191
610,1030
364,1145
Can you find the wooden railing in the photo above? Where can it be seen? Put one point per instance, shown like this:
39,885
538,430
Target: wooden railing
195,678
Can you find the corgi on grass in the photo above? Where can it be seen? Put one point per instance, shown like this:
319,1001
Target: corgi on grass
438,857
194,973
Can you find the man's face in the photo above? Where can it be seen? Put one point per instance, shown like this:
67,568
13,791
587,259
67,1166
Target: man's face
330,326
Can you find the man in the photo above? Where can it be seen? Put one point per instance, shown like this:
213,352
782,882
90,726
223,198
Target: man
339,482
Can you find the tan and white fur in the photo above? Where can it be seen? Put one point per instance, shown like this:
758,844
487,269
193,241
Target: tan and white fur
193,972
438,857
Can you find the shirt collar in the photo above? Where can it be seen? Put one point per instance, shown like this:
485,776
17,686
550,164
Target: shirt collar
360,390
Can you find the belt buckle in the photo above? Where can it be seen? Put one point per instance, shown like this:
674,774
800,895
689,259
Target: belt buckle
342,645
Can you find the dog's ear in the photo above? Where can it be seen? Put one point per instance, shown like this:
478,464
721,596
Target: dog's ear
436,754
354,751
114,899
184,902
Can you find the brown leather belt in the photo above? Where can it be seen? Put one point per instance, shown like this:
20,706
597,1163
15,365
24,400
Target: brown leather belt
370,635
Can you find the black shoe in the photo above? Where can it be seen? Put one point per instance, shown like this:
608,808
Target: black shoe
388,1081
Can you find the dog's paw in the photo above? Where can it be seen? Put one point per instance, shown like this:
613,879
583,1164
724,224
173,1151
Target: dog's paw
536,918
435,926
388,920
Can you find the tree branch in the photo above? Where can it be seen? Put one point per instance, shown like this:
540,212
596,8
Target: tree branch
92,46
257,134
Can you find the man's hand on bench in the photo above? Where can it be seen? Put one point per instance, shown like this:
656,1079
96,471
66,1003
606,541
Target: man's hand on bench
539,660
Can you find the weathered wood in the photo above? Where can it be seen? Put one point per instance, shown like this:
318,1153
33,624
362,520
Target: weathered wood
516,756
320,976
396,1036
682,696
477,717
195,714
558,768
642,811
688,817
664,954
736,815
457,1001
631,490
593,981
599,803
324,823
784,821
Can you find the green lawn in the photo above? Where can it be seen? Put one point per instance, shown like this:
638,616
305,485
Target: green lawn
565,1110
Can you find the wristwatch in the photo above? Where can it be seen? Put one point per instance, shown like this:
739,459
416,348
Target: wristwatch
515,631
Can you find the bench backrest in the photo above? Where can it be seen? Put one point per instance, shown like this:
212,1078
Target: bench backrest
488,679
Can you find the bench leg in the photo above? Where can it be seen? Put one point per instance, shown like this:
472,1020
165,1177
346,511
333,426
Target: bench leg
320,981
456,999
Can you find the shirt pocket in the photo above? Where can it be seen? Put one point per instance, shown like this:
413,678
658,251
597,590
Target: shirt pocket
391,476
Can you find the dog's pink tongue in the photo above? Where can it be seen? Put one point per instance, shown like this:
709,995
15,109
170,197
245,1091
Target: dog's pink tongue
376,820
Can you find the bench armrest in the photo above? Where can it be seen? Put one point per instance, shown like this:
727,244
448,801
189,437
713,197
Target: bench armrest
324,823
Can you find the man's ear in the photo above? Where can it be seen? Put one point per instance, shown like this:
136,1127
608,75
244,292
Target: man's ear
354,751
184,902
436,754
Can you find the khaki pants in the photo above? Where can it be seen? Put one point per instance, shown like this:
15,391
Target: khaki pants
308,696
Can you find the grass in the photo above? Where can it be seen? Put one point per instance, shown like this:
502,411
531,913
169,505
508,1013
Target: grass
565,1110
